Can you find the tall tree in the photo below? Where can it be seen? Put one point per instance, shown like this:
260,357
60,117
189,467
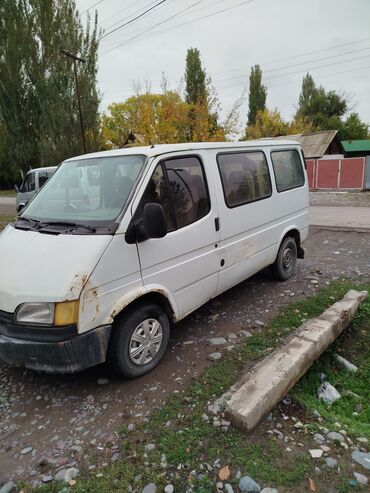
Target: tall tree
324,109
257,94
268,124
37,88
195,78
308,92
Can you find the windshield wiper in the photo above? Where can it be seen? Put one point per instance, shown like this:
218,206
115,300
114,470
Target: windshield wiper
66,223
34,222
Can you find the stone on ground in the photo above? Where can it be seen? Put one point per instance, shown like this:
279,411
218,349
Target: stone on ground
214,356
150,488
328,393
229,488
67,474
8,487
362,458
361,478
334,435
346,364
330,462
248,484
217,341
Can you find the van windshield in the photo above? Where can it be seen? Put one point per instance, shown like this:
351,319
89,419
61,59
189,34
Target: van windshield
88,192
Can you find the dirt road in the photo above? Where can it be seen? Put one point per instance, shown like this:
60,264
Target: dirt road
48,421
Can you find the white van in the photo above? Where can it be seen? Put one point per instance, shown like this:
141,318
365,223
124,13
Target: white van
33,181
119,245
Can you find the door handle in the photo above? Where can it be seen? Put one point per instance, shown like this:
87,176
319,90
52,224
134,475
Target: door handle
217,223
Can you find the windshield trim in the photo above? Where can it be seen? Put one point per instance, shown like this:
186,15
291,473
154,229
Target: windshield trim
101,227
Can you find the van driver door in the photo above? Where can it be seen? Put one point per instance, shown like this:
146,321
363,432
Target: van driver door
185,261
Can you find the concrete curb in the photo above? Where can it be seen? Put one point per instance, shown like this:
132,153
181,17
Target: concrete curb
345,229
274,376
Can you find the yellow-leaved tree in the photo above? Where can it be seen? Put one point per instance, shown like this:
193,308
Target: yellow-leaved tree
158,118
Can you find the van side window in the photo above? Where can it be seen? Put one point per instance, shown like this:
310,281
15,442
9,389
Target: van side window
288,169
179,185
245,177
157,192
188,189
43,178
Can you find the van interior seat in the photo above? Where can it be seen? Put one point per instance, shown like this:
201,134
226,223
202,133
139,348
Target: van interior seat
202,195
235,186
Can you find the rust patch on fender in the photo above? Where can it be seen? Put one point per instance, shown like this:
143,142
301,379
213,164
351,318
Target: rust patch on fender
76,287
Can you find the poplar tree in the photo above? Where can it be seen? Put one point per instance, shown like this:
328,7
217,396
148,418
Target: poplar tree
195,78
257,94
38,107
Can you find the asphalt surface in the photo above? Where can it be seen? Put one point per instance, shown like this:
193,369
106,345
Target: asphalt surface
340,217
7,206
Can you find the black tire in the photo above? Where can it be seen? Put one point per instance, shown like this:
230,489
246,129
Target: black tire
284,266
119,357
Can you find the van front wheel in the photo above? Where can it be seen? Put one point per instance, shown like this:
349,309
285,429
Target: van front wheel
138,341
284,265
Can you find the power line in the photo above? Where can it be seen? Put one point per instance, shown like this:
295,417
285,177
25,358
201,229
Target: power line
319,78
294,56
92,6
133,13
178,14
305,69
165,20
117,12
133,20
297,64
184,23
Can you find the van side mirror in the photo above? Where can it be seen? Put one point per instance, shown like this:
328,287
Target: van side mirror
150,222
16,188
154,221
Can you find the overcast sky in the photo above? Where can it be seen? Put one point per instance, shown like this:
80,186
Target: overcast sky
328,38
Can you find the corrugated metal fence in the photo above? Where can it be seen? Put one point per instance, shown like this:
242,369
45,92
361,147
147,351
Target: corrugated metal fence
338,174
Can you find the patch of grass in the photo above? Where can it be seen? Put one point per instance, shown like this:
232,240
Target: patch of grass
4,220
8,193
190,442
352,411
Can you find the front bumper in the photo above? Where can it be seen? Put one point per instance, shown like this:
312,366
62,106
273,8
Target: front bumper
53,350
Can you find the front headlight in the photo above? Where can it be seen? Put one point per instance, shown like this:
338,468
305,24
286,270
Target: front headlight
35,313
57,314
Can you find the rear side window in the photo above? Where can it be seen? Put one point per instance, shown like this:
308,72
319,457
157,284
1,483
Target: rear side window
245,177
179,185
288,169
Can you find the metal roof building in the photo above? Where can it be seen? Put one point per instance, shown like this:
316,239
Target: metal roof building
317,144
354,148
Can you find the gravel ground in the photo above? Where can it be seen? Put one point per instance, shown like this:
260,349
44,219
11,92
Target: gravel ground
49,421
353,199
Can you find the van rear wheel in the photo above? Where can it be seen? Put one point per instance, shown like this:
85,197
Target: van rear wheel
138,341
284,265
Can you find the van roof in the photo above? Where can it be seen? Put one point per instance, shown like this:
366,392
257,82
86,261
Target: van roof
158,149
49,168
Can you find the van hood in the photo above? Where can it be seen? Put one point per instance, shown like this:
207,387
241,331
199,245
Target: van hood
42,267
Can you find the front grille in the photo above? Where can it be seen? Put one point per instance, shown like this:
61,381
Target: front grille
6,318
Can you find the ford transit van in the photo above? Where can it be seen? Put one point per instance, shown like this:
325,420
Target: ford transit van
33,181
119,245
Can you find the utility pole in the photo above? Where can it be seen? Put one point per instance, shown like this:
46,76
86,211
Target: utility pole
75,60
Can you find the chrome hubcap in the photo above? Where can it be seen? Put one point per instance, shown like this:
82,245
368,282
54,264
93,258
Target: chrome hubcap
146,341
288,258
